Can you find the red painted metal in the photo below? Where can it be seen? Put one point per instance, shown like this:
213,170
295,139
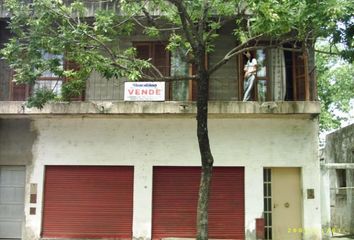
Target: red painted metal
175,197
260,228
88,202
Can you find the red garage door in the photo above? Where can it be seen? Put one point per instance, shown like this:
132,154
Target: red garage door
88,202
175,197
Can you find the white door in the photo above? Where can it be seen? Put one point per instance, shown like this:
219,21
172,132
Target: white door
12,186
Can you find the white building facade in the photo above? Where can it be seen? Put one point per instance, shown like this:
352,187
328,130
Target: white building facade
271,156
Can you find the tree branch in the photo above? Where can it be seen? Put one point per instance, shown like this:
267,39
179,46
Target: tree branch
328,52
236,50
187,23
202,22
169,79
244,47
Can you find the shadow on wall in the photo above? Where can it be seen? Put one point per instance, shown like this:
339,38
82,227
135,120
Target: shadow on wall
16,140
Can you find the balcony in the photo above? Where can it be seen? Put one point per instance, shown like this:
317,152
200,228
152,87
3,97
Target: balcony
271,97
285,84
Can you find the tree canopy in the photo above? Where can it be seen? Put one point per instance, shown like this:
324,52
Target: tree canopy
335,78
57,27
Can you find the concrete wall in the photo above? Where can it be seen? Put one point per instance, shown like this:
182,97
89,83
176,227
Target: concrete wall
149,141
224,82
17,138
16,141
340,149
325,195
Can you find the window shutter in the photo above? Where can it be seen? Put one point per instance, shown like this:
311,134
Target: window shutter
143,51
161,59
19,92
299,76
194,91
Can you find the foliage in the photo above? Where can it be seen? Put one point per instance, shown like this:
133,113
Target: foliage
41,97
52,27
49,26
335,88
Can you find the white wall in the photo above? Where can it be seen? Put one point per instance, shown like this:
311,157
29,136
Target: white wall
147,142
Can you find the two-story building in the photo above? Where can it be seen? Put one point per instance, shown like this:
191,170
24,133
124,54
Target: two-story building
102,167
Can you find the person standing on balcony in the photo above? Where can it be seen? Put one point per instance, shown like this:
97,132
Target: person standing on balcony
250,75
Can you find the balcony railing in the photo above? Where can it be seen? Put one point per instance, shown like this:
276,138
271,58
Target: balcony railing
226,86
103,96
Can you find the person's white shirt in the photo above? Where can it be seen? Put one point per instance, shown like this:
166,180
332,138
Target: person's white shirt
250,67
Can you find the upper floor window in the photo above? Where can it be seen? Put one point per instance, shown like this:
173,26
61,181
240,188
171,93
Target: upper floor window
281,75
50,80
169,64
157,54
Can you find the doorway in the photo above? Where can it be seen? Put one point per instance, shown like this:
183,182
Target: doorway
282,203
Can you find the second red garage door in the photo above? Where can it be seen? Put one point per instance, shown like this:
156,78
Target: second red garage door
88,202
175,197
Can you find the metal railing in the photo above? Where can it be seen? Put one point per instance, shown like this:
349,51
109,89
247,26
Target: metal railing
222,88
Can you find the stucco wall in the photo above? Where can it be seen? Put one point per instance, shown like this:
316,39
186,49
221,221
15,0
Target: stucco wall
147,142
16,141
340,149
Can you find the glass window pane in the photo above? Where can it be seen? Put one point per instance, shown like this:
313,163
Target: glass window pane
179,67
269,174
269,190
266,219
54,57
261,68
269,206
262,90
54,85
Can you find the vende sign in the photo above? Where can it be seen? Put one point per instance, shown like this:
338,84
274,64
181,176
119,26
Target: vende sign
144,91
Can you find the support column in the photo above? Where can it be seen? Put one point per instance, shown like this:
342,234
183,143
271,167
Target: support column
142,201
253,199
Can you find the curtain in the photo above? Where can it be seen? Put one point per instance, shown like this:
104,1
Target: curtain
277,74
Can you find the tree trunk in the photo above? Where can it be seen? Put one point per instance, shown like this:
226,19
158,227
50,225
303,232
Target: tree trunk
204,146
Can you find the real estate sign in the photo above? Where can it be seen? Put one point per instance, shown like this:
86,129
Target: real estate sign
144,91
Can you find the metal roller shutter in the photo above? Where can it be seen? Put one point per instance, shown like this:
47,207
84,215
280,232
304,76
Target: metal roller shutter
175,197
88,202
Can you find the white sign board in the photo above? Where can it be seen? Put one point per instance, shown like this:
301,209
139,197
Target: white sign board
144,91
